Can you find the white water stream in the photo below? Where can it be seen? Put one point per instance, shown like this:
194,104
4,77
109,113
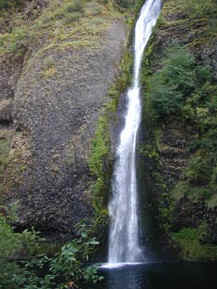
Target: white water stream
124,244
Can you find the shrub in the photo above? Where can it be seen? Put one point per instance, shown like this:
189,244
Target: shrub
41,271
14,246
173,83
199,170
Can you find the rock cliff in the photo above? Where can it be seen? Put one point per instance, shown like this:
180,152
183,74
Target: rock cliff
51,99
179,74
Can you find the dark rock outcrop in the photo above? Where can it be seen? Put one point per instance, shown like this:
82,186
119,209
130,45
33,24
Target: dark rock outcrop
57,102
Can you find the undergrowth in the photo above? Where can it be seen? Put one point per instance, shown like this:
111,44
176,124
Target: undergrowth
23,266
188,239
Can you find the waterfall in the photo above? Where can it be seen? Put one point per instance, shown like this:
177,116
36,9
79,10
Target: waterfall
124,244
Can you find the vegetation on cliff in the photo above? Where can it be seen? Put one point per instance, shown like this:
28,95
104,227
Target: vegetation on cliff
179,72
102,150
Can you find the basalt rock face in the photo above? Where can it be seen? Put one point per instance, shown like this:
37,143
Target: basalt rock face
58,99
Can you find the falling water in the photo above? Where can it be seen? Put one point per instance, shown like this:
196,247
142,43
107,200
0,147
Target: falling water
124,244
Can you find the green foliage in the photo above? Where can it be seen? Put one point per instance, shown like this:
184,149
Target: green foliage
30,271
55,24
99,148
4,4
200,180
12,243
185,91
200,174
9,241
181,93
165,210
179,86
68,264
203,12
4,151
170,86
69,12
74,6
99,162
182,89
198,170
14,246
212,202
199,8
14,41
125,3
188,240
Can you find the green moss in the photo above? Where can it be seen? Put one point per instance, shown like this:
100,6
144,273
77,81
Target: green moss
212,202
66,11
4,151
58,24
5,4
100,161
15,41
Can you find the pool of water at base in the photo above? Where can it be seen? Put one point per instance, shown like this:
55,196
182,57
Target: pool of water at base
172,275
